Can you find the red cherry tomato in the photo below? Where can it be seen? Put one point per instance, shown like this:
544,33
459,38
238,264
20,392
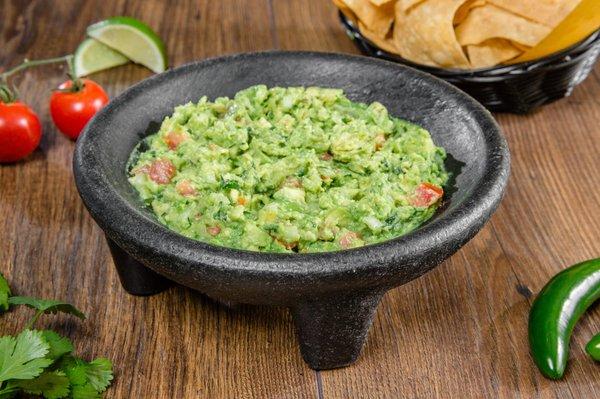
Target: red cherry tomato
20,131
72,110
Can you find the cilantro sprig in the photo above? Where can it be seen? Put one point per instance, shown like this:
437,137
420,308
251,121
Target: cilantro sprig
41,362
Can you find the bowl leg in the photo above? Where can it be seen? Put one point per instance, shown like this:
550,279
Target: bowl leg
333,330
136,278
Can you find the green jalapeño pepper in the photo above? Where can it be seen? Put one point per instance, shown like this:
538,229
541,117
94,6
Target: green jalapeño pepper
555,312
593,347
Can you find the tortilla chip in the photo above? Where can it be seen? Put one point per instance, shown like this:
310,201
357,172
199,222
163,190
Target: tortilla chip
377,19
520,46
386,44
463,11
491,52
379,3
426,35
405,5
346,11
547,12
488,21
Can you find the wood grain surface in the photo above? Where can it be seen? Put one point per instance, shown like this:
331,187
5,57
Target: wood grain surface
458,332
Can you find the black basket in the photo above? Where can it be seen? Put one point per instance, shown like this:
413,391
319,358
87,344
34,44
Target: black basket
517,88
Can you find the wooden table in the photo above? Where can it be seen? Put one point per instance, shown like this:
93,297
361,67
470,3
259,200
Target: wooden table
459,331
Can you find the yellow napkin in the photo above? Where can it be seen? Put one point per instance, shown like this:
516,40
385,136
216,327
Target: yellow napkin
579,24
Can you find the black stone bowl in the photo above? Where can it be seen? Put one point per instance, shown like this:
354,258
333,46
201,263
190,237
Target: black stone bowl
332,295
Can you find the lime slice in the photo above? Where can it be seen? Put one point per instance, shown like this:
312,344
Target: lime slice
132,38
92,56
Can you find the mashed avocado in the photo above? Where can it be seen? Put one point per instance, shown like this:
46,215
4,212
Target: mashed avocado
288,169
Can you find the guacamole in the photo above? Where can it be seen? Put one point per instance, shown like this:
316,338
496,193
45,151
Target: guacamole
288,170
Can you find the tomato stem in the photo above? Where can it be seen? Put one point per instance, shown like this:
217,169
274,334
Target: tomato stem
6,94
9,95
77,83
33,63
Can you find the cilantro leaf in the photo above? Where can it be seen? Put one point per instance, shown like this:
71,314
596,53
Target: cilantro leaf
227,184
51,384
59,346
8,392
46,305
85,391
99,373
4,294
40,362
23,357
74,369
87,380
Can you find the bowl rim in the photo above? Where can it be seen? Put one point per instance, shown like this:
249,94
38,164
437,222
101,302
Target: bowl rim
498,71
119,218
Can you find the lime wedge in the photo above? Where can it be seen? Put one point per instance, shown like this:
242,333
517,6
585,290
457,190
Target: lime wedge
132,38
92,56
